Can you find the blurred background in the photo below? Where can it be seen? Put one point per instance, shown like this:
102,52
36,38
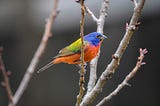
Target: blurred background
21,28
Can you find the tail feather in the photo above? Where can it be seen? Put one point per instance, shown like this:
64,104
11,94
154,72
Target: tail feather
45,67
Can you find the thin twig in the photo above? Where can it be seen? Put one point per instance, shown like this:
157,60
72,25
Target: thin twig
127,78
100,24
34,62
91,14
109,71
6,79
82,71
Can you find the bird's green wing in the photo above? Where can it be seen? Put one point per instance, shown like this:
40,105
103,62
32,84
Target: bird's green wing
73,48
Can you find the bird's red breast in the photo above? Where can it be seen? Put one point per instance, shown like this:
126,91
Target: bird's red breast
90,52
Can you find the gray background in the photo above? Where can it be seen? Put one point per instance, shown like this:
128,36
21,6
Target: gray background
21,28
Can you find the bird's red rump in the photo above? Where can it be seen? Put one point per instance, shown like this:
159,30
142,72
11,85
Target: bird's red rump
89,53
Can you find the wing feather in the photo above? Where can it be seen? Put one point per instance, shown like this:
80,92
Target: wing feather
73,48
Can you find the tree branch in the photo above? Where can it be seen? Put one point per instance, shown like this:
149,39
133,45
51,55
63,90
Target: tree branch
91,14
100,23
34,62
127,78
109,71
6,79
82,71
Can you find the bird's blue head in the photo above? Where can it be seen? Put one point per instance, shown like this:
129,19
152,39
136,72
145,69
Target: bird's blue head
94,38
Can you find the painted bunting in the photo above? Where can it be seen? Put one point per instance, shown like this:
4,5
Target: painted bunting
71,54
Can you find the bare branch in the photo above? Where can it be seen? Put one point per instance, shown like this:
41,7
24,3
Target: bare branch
6,79
127,78
93,64
31,68
91,14
103,14
107,74
82,71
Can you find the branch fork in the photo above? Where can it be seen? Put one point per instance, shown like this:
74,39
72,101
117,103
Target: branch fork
124,83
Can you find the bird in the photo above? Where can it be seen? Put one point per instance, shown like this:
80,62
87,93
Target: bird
71,54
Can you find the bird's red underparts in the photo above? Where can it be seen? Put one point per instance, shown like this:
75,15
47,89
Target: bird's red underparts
90,52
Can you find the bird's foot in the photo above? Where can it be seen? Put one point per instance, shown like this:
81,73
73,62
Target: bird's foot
80,65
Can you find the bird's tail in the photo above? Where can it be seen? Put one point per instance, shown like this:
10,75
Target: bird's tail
45,67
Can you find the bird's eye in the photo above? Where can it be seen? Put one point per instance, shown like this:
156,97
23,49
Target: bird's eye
98,36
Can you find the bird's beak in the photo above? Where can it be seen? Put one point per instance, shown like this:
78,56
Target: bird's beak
104,37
